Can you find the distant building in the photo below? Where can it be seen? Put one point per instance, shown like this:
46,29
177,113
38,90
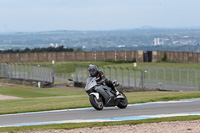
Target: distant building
51,44
121,46
158,41
54,45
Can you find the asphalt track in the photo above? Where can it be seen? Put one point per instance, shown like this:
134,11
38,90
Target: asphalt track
132,112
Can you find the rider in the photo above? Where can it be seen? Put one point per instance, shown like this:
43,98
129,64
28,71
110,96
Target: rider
101,79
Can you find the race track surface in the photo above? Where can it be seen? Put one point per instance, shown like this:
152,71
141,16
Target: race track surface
132,112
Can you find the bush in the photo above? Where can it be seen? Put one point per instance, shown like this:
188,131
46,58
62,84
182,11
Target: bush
164,58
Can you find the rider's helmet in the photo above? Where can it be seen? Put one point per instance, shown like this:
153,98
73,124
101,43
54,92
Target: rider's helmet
93,70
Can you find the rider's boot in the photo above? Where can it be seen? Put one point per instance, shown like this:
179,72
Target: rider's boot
117,93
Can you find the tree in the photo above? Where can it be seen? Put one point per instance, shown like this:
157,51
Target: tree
37,50
78,50
164,58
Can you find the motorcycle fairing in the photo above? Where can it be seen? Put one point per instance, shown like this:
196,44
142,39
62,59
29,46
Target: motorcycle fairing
109,98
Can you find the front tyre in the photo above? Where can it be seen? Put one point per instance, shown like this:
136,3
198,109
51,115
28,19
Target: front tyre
123,102
97,104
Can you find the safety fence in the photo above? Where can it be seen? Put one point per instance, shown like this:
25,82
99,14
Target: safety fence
64,77
175,79
27,72
126,77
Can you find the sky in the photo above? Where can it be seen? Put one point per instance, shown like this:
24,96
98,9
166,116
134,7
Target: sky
48,15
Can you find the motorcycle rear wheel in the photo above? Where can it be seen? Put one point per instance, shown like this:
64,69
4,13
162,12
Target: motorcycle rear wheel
97,104
123,102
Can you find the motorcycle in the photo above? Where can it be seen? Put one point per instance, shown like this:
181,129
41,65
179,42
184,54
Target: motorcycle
102,96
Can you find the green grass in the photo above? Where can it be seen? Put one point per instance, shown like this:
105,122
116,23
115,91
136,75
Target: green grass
32,92
97,124
51,98
68,67
42,104
40,99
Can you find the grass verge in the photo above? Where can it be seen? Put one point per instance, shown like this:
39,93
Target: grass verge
64,98
97,124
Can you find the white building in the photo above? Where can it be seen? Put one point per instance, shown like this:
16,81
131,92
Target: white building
158,41
121,46
51,44
54,45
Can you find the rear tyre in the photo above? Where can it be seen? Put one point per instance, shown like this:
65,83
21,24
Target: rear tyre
123,102
97,104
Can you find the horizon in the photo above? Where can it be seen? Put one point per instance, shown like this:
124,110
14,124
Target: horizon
129,29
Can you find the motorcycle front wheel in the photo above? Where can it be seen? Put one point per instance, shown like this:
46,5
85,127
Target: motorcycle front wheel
123,102
97,104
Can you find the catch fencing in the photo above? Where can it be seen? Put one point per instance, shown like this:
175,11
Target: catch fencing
64,77
126,77
176,79
172,79
27,72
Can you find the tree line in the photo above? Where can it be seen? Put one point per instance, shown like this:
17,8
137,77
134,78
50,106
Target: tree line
38,50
